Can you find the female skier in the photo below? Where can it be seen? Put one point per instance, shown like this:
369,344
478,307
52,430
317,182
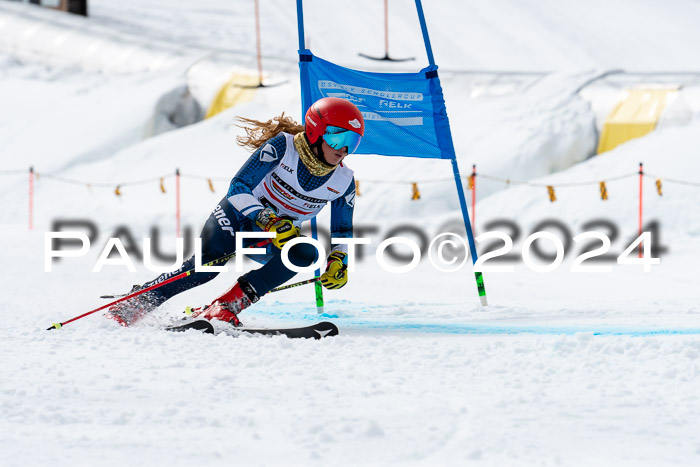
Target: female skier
291,175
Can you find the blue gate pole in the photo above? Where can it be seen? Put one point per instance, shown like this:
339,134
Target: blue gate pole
470,235
455,170
305,104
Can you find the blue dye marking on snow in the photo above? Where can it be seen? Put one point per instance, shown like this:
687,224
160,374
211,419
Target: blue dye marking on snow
353,323
489,329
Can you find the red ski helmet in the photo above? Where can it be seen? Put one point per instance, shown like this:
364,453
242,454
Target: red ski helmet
338,121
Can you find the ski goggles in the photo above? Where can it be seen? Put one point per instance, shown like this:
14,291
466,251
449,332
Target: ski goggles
338,138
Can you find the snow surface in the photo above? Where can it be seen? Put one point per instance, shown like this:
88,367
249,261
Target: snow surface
562,368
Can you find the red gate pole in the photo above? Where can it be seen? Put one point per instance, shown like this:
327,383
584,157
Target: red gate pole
386,28
31,198
257,41
641,176
177,202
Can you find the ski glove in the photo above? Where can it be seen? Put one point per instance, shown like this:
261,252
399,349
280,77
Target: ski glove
336,275
284,229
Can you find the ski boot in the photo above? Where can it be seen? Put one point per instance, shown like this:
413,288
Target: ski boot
227,307
129,311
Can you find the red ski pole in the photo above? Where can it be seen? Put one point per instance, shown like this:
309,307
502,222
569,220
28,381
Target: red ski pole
223,259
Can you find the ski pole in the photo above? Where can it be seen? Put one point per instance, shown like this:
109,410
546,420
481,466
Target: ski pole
223,259
296,284
308,281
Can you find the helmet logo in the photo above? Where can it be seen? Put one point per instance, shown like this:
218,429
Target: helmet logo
312,121
355,123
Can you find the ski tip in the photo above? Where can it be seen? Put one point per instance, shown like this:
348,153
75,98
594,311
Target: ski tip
326,329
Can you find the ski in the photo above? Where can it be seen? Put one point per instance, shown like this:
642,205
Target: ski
315,331
200,325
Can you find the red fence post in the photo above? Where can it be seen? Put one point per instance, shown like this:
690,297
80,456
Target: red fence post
386,28
177,202
257,41
31,198
641,176
473,197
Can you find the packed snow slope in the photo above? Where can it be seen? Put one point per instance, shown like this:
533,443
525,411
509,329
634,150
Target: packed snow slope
563,368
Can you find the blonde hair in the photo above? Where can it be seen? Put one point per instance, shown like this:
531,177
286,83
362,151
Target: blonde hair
257,133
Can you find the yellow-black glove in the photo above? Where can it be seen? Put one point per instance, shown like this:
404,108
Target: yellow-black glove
284,229
336,275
